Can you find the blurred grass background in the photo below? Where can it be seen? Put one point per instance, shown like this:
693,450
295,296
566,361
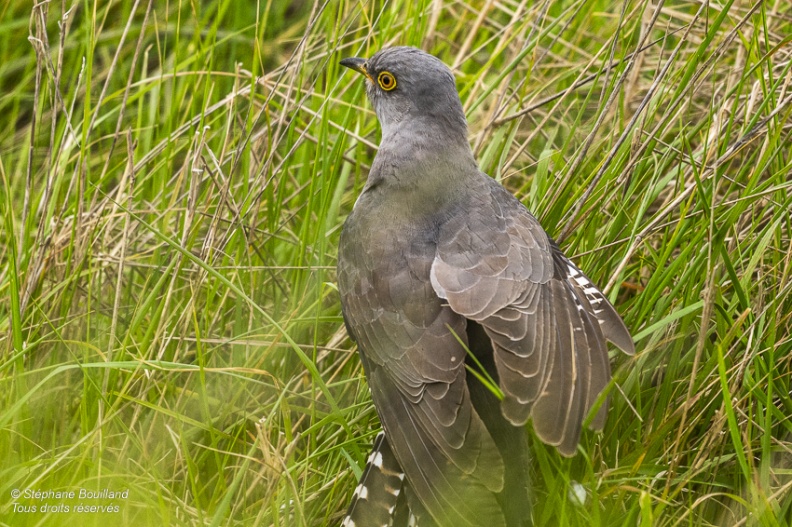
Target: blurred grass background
174,176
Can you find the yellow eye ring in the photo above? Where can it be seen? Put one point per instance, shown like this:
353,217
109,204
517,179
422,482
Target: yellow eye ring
386,80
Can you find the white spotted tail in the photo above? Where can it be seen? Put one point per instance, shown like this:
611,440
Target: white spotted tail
378,500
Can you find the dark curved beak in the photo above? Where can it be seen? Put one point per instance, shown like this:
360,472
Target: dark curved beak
357,64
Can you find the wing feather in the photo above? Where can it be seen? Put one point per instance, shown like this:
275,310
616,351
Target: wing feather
547,321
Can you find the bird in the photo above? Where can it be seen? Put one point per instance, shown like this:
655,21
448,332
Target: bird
469,319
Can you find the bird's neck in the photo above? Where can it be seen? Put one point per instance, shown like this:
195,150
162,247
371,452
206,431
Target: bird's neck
426,149
421,167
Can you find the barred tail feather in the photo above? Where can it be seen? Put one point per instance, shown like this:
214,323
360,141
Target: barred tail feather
378,500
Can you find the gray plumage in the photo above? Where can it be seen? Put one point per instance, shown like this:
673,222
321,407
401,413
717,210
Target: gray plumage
435,257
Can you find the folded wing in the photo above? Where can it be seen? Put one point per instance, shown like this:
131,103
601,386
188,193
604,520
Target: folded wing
413,353
548,322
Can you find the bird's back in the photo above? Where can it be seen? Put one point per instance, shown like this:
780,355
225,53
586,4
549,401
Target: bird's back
407,338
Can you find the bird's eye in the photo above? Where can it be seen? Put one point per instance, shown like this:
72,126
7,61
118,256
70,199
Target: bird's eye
386,80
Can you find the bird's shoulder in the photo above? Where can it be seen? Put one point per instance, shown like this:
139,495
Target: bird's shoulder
491,233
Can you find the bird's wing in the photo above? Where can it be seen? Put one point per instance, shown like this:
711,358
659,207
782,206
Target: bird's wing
548,323
415,369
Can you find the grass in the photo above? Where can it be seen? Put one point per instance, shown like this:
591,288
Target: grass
174,177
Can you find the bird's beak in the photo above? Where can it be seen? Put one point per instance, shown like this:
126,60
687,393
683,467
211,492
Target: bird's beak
357,64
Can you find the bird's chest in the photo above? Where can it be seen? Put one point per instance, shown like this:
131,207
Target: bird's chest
384,265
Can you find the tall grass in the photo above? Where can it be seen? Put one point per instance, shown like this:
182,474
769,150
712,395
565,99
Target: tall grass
174,179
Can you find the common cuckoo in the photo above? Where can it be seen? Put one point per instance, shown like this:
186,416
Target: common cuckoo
447,282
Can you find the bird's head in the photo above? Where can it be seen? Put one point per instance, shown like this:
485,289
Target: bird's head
407,87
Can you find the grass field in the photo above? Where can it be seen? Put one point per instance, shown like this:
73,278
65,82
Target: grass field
173,180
